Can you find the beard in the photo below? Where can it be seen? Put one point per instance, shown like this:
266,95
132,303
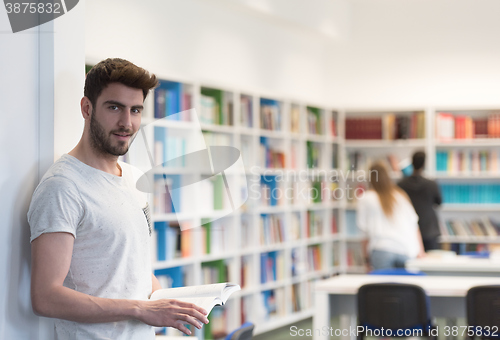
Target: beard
102,142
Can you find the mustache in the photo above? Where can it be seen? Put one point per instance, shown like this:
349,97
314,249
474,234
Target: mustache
127,131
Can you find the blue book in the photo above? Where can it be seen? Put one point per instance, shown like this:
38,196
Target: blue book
161,239
171,92
263,262
270,181
175,276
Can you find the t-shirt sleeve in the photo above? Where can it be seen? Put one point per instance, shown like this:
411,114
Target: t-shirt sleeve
56,206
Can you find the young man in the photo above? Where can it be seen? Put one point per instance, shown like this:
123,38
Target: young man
424,195
90,231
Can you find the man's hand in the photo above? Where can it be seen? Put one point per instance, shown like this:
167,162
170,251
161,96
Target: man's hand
171,313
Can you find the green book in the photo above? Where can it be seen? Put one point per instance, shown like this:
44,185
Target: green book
219,189
218,96
207,226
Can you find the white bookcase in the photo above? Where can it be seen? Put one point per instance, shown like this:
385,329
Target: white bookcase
276,248
472,163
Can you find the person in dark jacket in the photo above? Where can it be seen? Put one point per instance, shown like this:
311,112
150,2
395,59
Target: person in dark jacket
425,196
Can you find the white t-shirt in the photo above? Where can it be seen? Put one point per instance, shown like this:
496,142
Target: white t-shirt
111,258
397,234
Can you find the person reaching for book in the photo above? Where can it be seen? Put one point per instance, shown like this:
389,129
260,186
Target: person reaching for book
386,215
90,226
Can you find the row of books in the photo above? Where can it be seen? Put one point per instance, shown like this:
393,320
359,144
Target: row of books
215,237
270,115
215,272
168,195
467,161
295,227
246,111
295,119
272,190
247,232
314,262
355,255
297,298
314,121
336,256
217,139
483,227
165,200
217,328
314,224
272,266
173,277
171,98
272,229
298,265
311,192
351,224
387,127
313,155
246,272
272,304
168,150
487,193
359,160
450,126
270,154
216,107
171,242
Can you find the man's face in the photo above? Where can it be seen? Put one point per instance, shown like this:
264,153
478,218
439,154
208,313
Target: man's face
115,119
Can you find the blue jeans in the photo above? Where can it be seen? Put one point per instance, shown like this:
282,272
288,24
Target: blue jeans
385,260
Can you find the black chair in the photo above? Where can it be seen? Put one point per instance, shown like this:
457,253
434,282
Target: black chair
483,312
401,309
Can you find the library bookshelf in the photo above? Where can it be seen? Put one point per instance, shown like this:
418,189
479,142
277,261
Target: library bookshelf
468,170
289,231
462,147
276,246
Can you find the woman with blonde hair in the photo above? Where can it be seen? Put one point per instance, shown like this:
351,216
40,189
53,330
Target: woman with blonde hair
386,215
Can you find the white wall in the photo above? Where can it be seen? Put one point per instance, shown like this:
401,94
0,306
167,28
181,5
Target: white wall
384,52
40,89
419,52
210,41
18,177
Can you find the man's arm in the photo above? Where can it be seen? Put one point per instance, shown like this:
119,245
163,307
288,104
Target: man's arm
437,194
50,261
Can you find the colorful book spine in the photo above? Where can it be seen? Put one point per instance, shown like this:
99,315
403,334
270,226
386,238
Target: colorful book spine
174,277
270,114
463,193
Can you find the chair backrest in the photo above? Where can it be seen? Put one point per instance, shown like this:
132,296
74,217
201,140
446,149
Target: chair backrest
396,271
483,306
244,332
393,306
